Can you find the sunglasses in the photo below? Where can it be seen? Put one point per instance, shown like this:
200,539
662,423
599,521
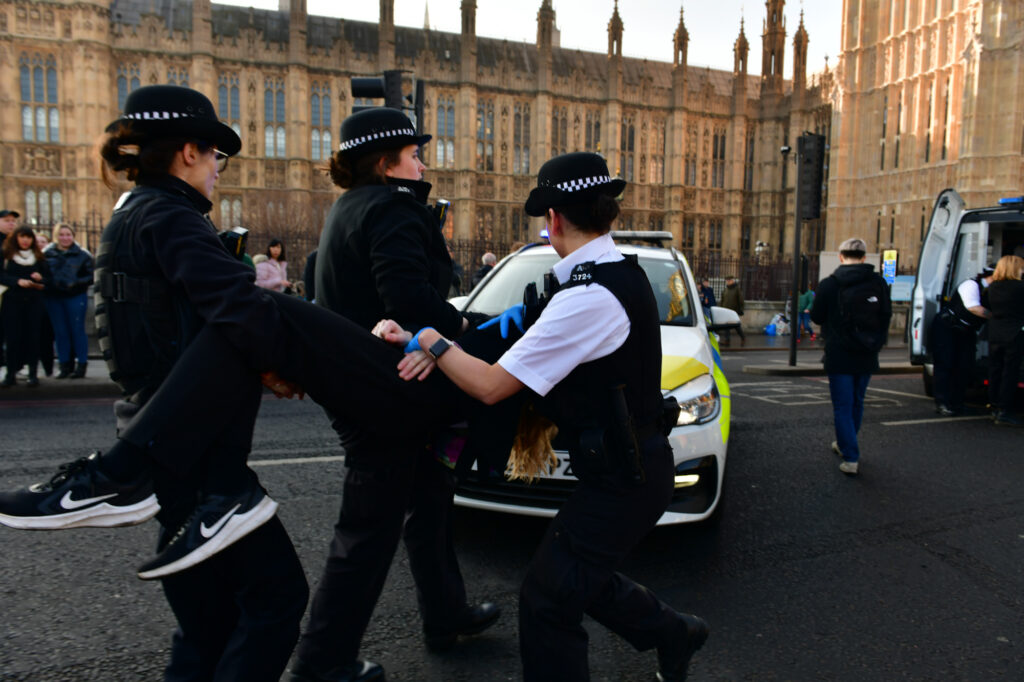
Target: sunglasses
222,160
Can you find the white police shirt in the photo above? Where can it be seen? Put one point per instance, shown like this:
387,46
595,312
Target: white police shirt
579,324
970,293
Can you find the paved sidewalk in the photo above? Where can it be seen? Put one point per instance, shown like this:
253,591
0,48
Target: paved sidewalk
808,355
96,384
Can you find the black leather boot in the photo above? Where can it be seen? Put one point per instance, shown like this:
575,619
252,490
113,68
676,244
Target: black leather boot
79,372
65,370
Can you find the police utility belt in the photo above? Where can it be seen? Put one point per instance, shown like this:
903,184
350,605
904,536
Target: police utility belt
614,451
121,287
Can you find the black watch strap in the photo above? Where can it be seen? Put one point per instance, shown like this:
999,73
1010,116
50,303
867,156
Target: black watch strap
439,348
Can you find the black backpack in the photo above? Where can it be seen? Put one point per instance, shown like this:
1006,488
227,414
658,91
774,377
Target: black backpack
860,311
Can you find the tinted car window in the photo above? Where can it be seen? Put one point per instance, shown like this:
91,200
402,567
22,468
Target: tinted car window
505,288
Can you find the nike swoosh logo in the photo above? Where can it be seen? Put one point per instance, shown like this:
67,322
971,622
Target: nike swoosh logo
67,503
210,531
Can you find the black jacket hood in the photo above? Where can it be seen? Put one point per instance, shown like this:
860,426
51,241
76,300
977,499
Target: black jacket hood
853,273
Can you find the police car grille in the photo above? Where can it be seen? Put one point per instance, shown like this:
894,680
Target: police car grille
545,493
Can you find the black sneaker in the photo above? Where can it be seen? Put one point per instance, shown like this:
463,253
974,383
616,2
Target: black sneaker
217,522
79,495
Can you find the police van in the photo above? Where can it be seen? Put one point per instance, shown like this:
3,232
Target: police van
959,243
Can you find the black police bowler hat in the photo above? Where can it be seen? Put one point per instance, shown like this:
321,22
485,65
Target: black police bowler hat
171,111
6,212
372,130
572,179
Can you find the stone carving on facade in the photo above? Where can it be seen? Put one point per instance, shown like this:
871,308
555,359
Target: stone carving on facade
274,174
40,161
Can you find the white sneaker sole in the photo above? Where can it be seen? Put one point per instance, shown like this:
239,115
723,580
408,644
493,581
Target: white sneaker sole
102,515
234,530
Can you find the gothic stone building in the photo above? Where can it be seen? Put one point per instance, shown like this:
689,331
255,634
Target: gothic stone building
929,94
700,147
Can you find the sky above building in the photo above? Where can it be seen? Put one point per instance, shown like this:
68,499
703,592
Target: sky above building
648,25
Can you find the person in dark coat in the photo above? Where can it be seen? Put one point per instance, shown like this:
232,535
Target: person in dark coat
732,298
25,274
168,290
954,339
382,255
1005,338
487,262
851,345
66,300
8,221
309,276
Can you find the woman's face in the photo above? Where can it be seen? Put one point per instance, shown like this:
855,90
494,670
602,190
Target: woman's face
409,166
275,252
65,238
25,241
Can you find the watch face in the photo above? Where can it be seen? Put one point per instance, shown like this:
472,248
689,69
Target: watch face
439,347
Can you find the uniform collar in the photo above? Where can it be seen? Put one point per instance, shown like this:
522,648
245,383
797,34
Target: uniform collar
591,251
418,188
176,185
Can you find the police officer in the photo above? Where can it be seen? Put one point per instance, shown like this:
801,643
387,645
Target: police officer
382,255
163,281
593,357
954,339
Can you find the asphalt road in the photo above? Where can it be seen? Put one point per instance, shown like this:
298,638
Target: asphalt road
914,570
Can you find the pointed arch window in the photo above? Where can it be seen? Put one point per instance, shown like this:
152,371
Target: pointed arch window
40,112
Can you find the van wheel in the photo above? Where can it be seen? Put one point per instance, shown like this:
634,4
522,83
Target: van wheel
929,382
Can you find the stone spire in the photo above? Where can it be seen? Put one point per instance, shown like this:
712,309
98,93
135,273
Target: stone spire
545,25
468,38
426,16
800,57
740,50
773,41
680,42
615,33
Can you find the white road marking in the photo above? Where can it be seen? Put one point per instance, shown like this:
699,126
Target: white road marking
295,460
935,420
909,395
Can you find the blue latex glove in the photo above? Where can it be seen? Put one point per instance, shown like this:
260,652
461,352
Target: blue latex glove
414,342
514,314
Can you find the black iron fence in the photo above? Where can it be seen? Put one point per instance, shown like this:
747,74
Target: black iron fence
761,278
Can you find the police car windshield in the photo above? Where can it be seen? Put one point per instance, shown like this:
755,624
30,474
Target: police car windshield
505,287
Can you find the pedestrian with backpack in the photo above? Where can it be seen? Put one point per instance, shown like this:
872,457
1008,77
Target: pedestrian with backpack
852,306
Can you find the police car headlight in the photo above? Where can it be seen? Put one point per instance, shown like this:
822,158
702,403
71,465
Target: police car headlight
698,399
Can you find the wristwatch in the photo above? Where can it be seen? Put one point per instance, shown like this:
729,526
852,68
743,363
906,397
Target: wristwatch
439,348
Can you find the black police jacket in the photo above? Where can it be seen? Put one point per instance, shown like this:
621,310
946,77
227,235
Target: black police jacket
382,255
161,236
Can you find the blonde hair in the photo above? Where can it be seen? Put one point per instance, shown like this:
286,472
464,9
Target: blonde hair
1008,267
58,227
532,454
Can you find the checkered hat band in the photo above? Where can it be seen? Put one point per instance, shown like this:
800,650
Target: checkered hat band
583,183
157,115
356,141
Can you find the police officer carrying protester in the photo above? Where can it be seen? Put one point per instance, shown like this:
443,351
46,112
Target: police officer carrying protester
593,359
382,255
954,340
162,278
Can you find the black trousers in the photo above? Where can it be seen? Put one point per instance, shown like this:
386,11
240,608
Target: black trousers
341,366
382,501
22,325
574,572
953,351
1004,361
239,611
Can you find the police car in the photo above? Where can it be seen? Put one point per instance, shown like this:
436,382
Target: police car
959,243
691,371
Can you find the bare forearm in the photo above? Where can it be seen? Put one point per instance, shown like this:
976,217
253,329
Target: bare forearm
487,383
